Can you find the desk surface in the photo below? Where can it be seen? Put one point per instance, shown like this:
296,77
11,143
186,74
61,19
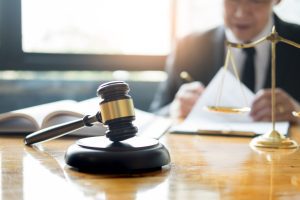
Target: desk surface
206,167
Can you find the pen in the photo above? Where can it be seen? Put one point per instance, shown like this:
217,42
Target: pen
184,75
296,114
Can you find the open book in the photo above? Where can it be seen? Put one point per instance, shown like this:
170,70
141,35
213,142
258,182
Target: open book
34,118
234,94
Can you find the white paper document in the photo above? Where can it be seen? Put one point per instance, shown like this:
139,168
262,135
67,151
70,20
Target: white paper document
232,93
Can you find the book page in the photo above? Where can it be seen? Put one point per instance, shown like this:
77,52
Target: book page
17,123
75,112
234,94
150,125
96,130
72,111
30,119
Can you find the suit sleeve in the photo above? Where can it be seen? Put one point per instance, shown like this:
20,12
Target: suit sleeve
194,54
168,88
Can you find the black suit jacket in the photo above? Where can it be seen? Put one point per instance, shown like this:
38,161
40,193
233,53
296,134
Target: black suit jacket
203,54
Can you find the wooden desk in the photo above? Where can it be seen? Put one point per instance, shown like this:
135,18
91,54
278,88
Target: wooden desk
203,167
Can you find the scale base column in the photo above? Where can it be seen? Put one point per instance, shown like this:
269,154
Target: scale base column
274,140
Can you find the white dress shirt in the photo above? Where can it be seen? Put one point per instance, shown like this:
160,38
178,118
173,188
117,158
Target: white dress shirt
261,56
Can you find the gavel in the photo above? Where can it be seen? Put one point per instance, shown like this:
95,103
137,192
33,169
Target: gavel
120,148
116,112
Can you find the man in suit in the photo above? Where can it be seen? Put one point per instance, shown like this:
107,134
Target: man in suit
202,55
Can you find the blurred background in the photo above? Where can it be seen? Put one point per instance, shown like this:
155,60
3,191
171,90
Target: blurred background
63,49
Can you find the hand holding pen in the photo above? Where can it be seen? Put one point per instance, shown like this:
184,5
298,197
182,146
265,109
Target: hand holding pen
186,96
185,76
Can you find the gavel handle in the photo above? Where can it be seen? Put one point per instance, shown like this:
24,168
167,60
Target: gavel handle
59,130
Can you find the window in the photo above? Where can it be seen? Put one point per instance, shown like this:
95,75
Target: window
195,15
130,27
200,15
289,10
104,34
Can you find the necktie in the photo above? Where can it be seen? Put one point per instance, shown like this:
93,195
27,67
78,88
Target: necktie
248,76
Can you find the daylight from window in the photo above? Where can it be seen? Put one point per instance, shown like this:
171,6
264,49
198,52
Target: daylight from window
129,27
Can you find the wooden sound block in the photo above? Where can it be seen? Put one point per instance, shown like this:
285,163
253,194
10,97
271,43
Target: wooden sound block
101,154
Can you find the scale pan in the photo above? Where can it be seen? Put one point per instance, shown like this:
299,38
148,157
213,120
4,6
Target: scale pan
296,114
230,110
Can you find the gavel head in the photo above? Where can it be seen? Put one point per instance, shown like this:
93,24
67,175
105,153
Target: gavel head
117,110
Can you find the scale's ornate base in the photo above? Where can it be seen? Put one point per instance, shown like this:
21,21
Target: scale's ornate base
101,154
274,140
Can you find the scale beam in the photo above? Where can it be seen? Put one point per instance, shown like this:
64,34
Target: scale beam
274,139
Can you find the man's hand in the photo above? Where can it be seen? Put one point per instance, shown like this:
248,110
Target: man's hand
185,99
262,108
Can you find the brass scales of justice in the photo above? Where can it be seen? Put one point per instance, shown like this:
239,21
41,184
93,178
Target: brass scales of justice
272,139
